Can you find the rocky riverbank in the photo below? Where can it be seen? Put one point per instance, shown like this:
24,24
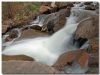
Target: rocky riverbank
86,36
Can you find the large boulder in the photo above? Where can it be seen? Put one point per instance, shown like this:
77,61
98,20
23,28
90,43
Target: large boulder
80,56
26,67
84,60
88,28
57,18
51,7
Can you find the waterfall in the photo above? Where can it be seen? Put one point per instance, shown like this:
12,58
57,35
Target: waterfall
62,38
49,48
44,48
39,20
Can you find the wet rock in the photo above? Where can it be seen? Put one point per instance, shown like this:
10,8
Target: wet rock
69,58
67,62
16,57
15,23
75,69
36,27
58,19
26,67
89,7
88,28
7,39
87,3
50,27
12,34
83,60
31,33
80,41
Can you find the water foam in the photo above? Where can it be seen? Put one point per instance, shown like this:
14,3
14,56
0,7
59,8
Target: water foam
47,49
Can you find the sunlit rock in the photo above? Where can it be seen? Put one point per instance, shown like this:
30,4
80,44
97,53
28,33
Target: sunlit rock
88,29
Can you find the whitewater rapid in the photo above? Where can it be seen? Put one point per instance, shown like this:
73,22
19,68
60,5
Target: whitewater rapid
42,49
47,50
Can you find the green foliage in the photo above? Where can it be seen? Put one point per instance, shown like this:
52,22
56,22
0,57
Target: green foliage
32,7
28,9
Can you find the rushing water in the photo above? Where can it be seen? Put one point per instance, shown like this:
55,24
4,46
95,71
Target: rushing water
42,49
18,33
47,49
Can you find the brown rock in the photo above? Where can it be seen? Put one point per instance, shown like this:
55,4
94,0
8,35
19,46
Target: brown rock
94,43
61,20
52,7
44,9
58,19
88,28
16,57
94,52
26,67
30,33
64,4
4,28
83,59
70,57
5,25
8,39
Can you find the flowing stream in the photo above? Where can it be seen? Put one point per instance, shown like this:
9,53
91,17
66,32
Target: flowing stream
47,50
